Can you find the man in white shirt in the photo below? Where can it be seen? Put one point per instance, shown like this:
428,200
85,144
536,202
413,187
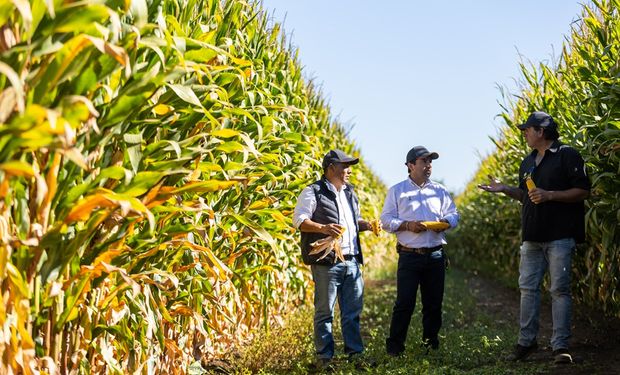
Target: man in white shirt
421,260
329,207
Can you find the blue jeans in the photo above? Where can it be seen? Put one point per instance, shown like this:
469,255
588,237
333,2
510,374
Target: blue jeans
428,272
536,258
343,280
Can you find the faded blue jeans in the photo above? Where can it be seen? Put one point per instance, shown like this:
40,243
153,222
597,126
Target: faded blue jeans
536,258
344,281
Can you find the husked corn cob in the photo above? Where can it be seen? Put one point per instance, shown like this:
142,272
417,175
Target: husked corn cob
435,225
375,226
530,183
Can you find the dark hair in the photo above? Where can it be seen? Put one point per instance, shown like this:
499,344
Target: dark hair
550,132
326,168
330,164
407,164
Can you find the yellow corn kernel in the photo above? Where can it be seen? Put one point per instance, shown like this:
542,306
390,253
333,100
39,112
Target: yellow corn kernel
375,226
529,183
435,225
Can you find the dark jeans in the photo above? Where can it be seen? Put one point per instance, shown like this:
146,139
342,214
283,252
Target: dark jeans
427,271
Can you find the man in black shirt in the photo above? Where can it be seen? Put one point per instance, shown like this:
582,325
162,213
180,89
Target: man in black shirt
552,187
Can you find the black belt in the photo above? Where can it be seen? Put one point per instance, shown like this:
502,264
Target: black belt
348,257
418,250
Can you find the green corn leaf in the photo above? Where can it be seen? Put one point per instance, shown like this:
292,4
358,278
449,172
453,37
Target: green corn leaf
225,133
230,147
186,94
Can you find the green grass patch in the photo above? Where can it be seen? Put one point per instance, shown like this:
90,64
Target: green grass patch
472,342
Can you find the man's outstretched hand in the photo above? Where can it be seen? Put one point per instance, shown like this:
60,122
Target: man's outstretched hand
494,185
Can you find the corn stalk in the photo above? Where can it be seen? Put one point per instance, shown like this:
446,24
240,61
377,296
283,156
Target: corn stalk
150,156
583,93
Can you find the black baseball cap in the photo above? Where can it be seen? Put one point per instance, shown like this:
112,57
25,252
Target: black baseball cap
338,156
540,119
420,152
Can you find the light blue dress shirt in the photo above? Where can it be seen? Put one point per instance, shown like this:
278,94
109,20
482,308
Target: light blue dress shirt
406,201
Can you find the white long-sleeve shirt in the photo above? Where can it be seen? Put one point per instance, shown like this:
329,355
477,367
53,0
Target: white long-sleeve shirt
306,204
406,201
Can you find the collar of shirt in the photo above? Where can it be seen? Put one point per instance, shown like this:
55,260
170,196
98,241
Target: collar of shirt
347,217
419,203
425,184
332,187
555,146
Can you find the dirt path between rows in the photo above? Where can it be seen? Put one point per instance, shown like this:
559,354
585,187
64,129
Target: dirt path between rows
595,343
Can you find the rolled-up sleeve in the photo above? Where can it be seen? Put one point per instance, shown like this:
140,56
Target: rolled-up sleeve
306,204
389,215
450,212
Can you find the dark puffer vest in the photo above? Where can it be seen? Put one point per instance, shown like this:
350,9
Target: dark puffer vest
326,212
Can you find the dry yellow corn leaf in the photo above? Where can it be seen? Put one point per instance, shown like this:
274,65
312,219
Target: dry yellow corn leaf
162,109
85,207
326,245
17,168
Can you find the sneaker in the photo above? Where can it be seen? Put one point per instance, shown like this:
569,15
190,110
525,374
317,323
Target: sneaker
562,356
521,352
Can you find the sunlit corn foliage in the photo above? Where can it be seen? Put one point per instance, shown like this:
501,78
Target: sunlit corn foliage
151,153
582,91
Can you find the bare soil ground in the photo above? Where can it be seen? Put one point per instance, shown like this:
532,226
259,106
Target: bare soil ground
595,344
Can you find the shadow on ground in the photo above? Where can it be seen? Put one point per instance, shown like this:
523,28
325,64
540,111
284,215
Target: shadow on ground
595,344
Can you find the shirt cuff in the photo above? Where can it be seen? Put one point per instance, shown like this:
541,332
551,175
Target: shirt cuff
300,219
394,224
452,220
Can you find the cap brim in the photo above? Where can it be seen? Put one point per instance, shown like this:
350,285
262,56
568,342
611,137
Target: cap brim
522,126
350,161
432,155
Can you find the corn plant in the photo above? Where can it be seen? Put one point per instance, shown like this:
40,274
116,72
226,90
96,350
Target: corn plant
581,92
151,153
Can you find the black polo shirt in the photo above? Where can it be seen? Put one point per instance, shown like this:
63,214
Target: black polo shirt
561,168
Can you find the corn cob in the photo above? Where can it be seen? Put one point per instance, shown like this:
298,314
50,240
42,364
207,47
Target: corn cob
375,226
435,225
326,245
530,183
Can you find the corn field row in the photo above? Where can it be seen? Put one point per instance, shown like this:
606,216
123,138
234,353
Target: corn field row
583,93
151,153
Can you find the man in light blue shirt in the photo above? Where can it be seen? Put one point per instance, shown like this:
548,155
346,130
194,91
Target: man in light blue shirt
421,260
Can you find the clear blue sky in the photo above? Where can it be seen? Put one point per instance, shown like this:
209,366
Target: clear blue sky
405,73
